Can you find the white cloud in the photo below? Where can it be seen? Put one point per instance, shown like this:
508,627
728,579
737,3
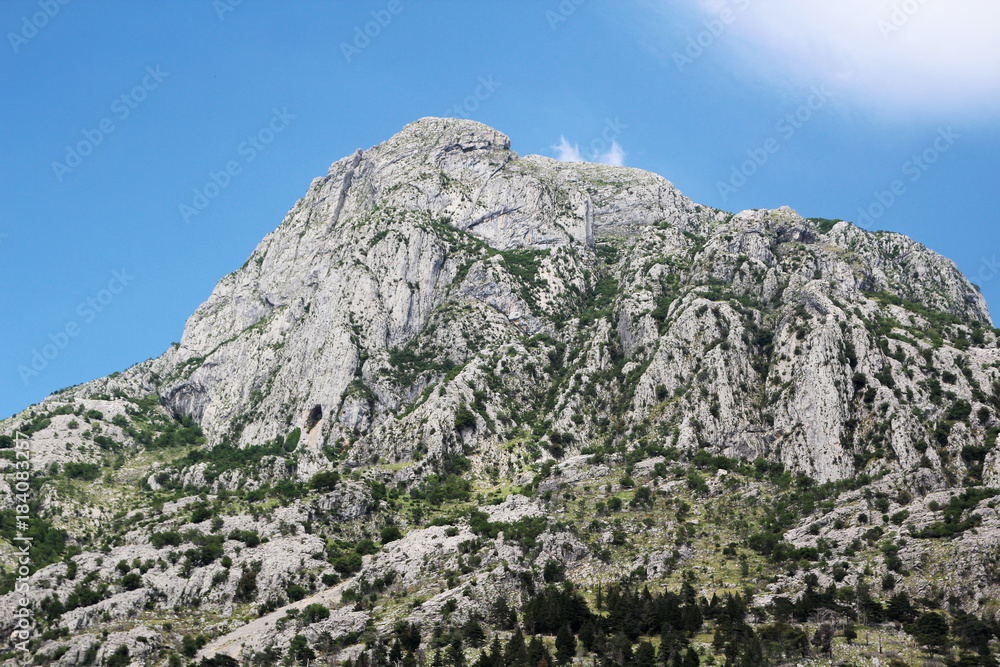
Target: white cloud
923,55
615,156
567,152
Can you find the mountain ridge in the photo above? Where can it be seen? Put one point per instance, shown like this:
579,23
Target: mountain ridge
206,332
439,319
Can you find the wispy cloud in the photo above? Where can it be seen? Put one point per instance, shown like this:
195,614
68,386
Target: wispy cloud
567,152
615,156
925,55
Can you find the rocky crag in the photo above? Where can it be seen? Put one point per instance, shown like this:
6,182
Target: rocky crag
454,374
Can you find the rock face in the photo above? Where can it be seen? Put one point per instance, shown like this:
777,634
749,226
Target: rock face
363,263
441,249
438,303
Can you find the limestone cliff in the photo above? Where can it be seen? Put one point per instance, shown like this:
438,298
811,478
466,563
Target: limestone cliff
438,319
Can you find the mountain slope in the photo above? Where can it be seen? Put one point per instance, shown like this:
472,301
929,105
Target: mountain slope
443,322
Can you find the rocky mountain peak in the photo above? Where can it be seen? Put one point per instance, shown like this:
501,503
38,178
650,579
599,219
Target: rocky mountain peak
440,248
436,137
514,371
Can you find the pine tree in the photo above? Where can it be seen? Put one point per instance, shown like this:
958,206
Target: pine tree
396,652
565,645
645,655
473,632
754,653
538,654
931,630
300,651
379,653
588,636
516,652
823,637
620,648
503,616
409,635
483,659
691,619
669,645
496,652
456,652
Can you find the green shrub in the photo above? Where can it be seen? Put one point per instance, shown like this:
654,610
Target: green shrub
390,533
190,644
554,571
247,537
207,552
954,522
960,411
200,513
324,481
246,588
347,563
167,538
295,592
315,612
696,482
84,471
120,658
436,490
288,489
464,418
366,547
825,225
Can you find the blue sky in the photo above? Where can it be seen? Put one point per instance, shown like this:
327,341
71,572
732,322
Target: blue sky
740,103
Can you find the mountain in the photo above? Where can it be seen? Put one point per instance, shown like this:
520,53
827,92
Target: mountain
453,375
